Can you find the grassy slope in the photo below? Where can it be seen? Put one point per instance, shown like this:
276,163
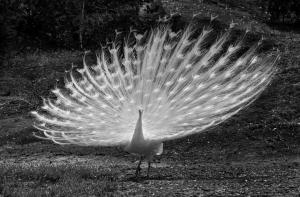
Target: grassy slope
254,153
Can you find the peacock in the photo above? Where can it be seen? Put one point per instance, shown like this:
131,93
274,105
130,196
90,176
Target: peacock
157,86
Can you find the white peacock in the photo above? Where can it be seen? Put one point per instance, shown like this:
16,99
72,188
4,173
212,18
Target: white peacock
164,86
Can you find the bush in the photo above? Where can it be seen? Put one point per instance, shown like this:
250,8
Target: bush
287,11
69,24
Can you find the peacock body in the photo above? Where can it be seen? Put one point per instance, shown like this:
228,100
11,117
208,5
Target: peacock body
164,86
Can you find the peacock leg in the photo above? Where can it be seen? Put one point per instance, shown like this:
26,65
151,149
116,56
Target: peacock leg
138,169
149,166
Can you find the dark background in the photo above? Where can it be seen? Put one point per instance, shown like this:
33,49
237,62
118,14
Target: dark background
46,24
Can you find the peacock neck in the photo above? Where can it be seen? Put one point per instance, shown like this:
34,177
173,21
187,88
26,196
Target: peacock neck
139,145
138,136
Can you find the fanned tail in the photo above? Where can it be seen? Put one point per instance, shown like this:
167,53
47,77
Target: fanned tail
183,83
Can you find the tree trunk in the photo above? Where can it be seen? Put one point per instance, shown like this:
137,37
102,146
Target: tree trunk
81,28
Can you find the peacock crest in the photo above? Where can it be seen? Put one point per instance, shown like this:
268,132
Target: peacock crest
182,83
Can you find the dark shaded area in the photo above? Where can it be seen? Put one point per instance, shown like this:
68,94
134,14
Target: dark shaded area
69,24
80,24
283,11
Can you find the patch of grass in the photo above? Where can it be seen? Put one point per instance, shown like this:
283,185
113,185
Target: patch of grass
26,77
39,64
21,138
17,131
253,178
52,173
62,180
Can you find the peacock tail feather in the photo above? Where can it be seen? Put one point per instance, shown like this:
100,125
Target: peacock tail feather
184,83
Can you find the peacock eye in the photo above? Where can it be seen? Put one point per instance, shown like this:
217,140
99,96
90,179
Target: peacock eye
167,47
138,36
212,75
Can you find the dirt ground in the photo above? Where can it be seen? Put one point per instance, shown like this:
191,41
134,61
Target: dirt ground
207,164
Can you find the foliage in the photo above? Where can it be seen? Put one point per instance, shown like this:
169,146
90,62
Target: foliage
59,24
287,11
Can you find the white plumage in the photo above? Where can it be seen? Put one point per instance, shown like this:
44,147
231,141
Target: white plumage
164,86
